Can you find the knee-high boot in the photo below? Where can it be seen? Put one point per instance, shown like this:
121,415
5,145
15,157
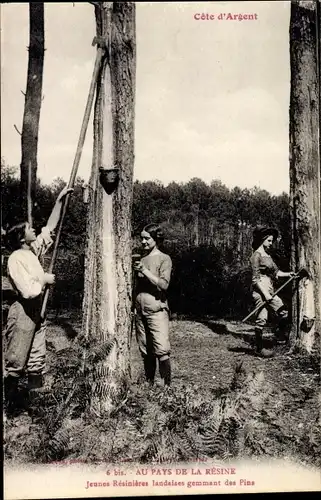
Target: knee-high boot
150,368
258,339
11,394
165,371
260,351
283,331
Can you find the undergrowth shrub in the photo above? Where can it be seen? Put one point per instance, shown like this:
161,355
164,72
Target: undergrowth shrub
157,426
312,432
62,412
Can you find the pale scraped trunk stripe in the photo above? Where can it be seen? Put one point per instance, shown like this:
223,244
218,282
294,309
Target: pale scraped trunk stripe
108,238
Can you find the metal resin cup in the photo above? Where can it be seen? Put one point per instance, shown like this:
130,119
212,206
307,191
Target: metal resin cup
109,179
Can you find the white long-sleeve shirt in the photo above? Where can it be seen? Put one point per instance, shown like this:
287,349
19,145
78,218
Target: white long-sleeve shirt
25,272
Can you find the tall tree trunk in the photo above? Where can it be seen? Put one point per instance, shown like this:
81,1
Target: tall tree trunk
107,293
31,116
305,167
196,211
238,234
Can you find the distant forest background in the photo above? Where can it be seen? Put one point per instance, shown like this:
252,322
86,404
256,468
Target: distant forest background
208,232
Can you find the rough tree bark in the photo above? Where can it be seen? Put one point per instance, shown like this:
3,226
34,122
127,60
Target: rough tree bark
238,239
31,116
305,165
107,293
196,230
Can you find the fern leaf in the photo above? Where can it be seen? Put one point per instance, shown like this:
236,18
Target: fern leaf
186,446
239,376
99,352
58,445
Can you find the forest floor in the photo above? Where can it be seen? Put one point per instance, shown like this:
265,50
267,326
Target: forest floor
225,402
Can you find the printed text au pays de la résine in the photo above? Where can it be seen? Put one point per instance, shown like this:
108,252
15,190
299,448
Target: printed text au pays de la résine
172,482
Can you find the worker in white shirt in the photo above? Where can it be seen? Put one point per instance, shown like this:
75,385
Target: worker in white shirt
25,332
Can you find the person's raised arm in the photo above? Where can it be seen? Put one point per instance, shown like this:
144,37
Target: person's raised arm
55,214
283,274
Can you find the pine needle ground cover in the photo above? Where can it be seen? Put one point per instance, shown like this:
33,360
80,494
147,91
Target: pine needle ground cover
224,403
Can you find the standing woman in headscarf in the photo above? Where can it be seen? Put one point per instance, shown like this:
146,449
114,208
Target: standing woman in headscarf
265,273
152,312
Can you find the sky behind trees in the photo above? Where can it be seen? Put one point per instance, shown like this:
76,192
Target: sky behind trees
212,97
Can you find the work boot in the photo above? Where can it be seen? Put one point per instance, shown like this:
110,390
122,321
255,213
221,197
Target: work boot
258,340
283,331
150,368
35,381
37,393
260,351
11,395
266,353
165,371
36,387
